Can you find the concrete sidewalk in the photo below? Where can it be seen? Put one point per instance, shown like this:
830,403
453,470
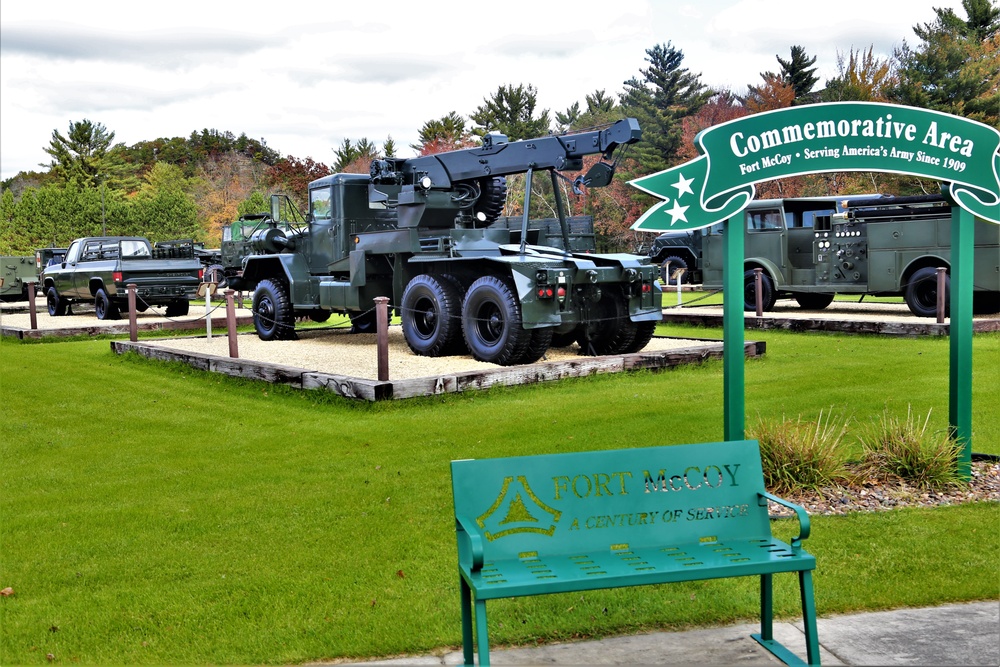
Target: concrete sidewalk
955,634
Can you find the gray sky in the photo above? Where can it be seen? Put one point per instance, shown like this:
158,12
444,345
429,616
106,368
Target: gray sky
302,76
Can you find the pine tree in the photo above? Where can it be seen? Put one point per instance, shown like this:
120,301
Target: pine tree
799,73
511,111
664,95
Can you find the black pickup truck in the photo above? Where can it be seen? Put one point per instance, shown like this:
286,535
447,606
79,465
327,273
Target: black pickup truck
98,269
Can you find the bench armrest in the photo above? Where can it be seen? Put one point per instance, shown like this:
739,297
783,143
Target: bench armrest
800,512
470,543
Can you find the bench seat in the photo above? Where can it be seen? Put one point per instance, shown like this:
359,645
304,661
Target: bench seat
584,521
515,577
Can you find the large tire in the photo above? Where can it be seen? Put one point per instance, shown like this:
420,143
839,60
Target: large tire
178,308
492,197
769,296
671,264
608,330
491,322
922,291
643,334
216,273
55,303
985,303
104,306
813,300
538,345
431,315
273,315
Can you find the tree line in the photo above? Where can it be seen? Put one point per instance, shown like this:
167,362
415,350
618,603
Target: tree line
190,187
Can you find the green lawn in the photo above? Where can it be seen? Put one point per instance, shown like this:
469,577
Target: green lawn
154,514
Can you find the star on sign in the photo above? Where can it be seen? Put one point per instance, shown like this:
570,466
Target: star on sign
677,213
683,185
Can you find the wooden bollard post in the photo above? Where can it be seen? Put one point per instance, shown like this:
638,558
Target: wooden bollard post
32,314
234,351
382,336
133,327
942,293
758,297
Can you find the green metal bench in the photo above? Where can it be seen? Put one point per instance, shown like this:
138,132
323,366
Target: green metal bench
574,522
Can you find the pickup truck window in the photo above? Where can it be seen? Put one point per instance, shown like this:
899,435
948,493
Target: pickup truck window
73,253
135,248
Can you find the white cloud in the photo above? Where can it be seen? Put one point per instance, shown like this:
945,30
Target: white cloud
305,75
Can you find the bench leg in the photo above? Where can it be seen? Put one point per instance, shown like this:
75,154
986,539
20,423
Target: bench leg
482,637
766,607
809,616
466,598
766,636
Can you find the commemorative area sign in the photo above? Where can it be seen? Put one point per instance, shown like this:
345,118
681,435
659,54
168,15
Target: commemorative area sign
845,136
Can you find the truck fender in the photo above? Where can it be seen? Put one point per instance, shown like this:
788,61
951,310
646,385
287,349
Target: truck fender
770,268
933,261
290,267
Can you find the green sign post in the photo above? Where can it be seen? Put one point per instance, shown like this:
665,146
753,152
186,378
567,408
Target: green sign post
848,136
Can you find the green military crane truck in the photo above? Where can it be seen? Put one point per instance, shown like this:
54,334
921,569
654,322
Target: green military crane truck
421,231
813,248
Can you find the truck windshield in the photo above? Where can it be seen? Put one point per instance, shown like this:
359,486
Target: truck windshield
319,203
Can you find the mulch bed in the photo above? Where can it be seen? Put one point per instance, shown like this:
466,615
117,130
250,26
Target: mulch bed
874,495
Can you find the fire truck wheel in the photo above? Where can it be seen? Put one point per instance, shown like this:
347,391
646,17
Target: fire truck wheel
768,294
922,292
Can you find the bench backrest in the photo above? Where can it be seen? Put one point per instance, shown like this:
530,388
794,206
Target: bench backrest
615,499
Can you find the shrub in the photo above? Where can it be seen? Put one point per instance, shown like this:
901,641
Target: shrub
801,455
909,451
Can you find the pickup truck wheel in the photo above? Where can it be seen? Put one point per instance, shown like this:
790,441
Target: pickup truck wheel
431,315
491,322
104,307
55,303
608,329
273,316
178,308
922,291
812,301
769,296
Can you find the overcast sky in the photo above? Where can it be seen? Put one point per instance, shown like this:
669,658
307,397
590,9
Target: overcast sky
302,76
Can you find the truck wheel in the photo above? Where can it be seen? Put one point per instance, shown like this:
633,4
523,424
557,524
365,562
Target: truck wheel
538,345
922,290
178,308
491,322
55,304
643,334
273,316
608,330
811,300
769,295
431,315
216,274
671,264
492,198
104,307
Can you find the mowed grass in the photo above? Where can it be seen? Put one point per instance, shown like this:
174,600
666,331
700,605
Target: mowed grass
154,514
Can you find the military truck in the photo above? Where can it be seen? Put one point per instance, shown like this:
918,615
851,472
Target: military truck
98,269
813,248
16,272
421,232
